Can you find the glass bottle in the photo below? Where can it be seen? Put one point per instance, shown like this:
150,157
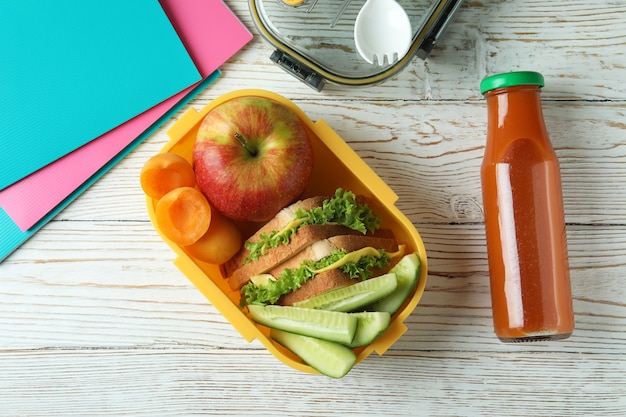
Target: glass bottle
524,218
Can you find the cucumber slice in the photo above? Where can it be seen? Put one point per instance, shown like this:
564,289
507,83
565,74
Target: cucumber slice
328,325
328,358
408,272
371,325
352,297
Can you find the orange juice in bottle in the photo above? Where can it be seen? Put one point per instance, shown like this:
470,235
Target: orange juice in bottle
524,218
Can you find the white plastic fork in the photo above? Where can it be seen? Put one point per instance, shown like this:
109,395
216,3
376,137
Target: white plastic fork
382,32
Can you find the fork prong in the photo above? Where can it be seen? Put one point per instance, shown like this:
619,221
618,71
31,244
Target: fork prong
383,59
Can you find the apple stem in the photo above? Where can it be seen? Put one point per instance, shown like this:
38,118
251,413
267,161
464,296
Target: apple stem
245,143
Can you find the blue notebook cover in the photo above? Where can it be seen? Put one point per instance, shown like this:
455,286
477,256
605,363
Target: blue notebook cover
11,237
71,70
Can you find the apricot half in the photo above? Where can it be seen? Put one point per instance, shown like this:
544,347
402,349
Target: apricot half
183,215
164,172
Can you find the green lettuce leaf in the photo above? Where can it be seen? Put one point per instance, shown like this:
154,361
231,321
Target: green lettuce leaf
342,209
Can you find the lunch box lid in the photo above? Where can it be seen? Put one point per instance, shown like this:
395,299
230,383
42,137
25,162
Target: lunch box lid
314,39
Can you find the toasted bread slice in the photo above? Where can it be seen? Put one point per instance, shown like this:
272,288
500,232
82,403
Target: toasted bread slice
351,243
313,252
282,219
318,285
303,237
335,278
323,247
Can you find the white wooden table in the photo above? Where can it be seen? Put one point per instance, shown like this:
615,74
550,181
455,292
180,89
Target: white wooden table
96,320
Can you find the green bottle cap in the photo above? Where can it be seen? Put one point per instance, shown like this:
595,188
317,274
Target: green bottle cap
511,79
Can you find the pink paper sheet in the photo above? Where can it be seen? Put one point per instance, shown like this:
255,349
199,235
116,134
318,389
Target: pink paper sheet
211,33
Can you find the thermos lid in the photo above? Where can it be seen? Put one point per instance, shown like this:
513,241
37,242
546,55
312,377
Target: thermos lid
511,79
314,39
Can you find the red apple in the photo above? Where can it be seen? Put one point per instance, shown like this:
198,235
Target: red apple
252,157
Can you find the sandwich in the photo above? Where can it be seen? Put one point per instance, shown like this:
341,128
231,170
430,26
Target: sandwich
311,247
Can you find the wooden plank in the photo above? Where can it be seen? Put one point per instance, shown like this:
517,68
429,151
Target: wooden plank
578,46
430,155
190,381
91,285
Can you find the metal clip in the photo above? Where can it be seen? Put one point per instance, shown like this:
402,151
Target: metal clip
298,70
